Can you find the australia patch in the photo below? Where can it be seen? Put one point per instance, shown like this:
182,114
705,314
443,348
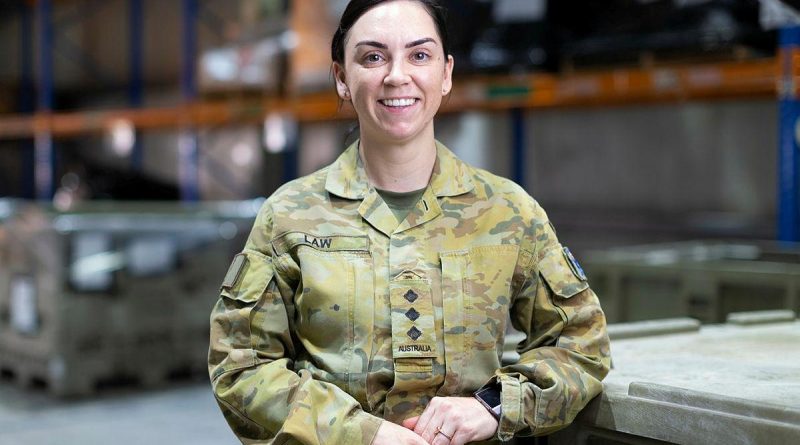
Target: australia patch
577,270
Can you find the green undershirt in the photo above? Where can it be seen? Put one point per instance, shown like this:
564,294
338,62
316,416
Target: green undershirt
401,203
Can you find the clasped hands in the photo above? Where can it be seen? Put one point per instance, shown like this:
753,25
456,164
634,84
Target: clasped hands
446,420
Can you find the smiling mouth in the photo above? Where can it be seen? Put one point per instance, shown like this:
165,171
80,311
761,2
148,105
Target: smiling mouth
398,103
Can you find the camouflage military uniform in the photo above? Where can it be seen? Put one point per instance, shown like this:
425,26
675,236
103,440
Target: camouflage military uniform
335,317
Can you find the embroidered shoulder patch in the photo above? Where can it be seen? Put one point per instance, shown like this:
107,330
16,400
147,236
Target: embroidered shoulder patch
577,270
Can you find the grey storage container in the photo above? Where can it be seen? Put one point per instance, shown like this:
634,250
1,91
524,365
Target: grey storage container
113,292
705,280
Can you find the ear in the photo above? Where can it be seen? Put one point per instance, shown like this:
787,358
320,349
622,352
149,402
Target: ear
447,80
341,86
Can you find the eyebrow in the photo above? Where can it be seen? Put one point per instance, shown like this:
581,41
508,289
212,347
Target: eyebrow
420,42
383,46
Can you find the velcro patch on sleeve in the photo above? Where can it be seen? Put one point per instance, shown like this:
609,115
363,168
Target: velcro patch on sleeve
234,271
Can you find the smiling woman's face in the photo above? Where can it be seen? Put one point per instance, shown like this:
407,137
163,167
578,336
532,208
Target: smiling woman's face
395,72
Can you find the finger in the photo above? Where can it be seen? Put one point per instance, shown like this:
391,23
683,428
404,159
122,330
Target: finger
436,429
419,441
424,420
411,422
429,433
439,409
441,438
412,439
448,431
459,438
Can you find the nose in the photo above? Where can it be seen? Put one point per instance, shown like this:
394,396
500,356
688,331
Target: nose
397,74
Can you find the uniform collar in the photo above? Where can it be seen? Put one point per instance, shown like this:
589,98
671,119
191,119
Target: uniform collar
347,177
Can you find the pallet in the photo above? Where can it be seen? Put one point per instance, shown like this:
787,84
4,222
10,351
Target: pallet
89,378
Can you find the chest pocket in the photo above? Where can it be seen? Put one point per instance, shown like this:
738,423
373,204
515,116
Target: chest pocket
476,295
336,289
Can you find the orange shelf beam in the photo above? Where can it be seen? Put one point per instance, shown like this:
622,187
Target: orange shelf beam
758,78
755,79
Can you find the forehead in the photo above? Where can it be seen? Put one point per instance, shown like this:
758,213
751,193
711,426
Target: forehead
401,21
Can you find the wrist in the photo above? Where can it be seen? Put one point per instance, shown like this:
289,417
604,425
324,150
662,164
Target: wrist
490,398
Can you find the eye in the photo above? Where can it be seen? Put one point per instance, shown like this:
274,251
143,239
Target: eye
420,56
373,58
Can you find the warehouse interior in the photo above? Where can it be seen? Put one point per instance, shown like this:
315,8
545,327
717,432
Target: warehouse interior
138,139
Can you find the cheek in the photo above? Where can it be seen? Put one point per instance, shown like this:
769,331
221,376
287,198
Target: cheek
430,78
433,85
362,87
361,98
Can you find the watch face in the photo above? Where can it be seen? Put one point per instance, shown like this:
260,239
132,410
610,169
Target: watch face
491,396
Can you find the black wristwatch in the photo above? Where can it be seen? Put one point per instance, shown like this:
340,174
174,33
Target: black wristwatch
490,398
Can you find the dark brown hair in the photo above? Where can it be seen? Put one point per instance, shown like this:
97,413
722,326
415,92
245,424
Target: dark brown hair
356,8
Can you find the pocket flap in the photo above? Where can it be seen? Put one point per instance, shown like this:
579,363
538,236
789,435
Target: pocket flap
247,277
555,268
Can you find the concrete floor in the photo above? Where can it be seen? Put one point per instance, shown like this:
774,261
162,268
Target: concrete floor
185,413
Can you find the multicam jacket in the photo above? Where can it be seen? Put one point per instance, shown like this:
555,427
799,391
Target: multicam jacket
335,317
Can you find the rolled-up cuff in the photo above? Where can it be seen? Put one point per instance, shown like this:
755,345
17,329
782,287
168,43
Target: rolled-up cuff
365,428
512,416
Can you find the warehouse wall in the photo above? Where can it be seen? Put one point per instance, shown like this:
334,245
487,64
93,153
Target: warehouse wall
694,157
635,174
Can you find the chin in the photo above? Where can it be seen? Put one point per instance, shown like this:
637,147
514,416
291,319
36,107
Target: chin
404,132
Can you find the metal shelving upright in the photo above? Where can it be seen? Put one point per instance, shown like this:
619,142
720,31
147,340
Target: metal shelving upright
136,71
44,150
789,128
188,143
26,99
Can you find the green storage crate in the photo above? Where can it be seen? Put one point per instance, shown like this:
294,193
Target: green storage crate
705,280
8,208
113,292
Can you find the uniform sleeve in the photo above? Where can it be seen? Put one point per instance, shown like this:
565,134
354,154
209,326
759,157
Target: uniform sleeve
251,358
565,354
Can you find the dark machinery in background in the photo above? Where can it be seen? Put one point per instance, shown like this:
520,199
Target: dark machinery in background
510,36
623,31
499,36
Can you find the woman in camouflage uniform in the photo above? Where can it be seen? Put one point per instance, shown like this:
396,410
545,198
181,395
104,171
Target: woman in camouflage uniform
371,300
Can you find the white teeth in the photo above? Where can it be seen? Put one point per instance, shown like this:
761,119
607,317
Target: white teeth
398,102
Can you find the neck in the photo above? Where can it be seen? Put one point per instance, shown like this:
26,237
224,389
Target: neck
398,167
